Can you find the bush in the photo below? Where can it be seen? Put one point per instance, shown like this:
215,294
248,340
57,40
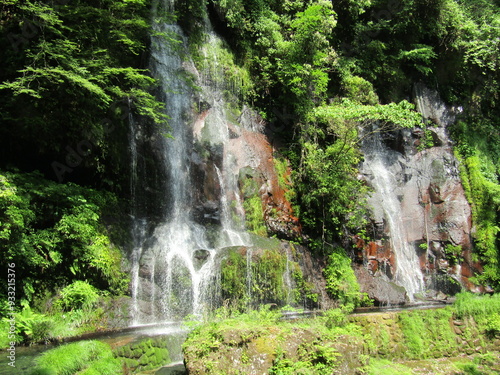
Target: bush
78,295
335,318
493,325
341,282
54,234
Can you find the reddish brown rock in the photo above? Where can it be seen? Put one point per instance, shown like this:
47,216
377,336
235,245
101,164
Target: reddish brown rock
253,150
435,212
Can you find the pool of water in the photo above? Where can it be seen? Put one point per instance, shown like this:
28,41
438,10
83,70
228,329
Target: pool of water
175,331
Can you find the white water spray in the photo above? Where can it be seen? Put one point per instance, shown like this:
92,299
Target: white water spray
174,271
385,198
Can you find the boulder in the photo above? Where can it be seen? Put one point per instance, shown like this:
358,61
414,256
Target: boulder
380,289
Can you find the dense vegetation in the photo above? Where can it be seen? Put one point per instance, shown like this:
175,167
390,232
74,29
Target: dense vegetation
72,75
84,357
74,72
337,343
337,65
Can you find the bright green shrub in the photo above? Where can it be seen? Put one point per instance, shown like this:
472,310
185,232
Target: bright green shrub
78,295
341,283
54,234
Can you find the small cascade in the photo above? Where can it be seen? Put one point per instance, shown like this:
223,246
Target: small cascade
138,224
385,202
138,235
234,236
287,279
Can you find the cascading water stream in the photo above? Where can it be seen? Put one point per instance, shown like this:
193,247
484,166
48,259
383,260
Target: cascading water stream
287,278
138,224
174,271
385,198
234,236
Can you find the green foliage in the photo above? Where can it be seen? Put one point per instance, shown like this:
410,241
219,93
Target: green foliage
264,284
78,295
233,269
386,367
311,345
191,15
330,194
420,57
304,290
105,366
470,369
426,141
302,69
359,90
290,56
316,346
216,59
30,326
346,115
341,283
476,306
254,215
258,277
428,334
267,274
52,325
453,253
83,57
252,203
328,191
480,154
336,317
85,356
54,234
493,324
312,359
284,177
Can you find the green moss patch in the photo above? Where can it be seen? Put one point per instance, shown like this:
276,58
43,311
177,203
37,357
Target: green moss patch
145,354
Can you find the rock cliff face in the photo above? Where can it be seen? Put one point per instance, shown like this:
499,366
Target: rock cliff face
252,162
435,214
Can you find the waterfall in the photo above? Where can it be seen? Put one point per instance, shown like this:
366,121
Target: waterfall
287,278
138,224
379,164
174,269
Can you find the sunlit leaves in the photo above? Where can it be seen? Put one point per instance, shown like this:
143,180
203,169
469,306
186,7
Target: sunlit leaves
53,232
68,68
421,56
349,113
341,282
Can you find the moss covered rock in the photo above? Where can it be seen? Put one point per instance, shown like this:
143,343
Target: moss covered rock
261,343
144,354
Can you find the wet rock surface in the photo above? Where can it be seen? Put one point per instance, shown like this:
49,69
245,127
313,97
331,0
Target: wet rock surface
435,213
380,289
